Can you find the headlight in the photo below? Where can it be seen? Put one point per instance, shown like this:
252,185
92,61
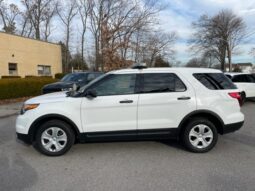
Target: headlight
27,107
67,89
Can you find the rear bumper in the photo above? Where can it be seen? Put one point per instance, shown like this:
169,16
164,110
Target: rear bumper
24,138
232,127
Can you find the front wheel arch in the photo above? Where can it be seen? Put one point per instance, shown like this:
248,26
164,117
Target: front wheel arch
34,127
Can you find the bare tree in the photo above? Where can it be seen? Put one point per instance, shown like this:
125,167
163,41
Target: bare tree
194,63
220,34
39,12
26,25
66,13
96,15
158,43
84,10
48,17
8,14
252,52
114,25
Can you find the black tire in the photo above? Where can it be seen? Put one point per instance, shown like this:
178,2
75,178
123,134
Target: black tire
192,124
243,97
61,127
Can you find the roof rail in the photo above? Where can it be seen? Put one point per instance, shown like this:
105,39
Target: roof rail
139,66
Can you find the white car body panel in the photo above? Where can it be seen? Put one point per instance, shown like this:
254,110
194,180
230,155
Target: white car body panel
51,104
148,111
248,88
106,113
164,110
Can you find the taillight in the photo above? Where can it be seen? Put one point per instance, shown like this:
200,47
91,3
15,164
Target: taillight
237,96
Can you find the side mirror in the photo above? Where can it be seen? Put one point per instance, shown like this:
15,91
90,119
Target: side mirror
91,93
75,87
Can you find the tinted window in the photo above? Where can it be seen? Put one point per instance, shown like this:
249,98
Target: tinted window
74,78
240,78
162,82
251,78
116,84
215,81
92,76
229,76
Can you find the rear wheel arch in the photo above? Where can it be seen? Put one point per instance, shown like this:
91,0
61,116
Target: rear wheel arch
34,127
211,116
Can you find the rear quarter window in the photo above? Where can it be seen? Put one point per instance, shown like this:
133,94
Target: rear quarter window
215,81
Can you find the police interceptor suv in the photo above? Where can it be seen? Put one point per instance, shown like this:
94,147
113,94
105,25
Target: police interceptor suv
192,105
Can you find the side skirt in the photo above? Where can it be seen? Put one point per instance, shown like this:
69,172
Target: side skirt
130,135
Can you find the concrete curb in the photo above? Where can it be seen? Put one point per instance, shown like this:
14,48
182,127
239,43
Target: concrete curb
9,115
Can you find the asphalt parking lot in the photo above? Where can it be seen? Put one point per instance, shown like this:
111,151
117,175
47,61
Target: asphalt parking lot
131,165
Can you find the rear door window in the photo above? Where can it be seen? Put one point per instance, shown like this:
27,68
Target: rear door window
161,82
214,81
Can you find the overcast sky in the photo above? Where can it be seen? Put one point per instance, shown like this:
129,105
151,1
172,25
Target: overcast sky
179,14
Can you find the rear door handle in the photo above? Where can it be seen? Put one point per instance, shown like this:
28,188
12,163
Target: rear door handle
183,98
126,101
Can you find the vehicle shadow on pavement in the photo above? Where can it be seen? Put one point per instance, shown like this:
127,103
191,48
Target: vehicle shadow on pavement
173,143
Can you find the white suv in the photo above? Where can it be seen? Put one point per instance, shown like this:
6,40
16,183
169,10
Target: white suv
192,105
245,82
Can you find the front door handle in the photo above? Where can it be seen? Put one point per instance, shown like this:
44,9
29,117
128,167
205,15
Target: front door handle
126,101
183,98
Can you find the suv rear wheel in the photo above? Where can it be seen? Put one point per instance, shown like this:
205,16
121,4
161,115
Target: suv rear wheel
200,135
54,138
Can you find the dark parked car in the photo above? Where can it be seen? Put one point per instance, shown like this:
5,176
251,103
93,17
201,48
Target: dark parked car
66,83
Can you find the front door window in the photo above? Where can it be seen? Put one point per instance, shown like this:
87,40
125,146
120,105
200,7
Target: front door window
116,84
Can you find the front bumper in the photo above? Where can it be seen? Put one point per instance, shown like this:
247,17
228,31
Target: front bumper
232,127
24,138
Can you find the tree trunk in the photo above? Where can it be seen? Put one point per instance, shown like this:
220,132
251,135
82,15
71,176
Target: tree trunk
67,49
82,49
37,33
229,58
222,60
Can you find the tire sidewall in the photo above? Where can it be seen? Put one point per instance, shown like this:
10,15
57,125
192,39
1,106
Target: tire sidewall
243,97
54,123
190,125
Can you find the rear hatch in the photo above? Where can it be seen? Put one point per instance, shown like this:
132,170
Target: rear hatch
221,83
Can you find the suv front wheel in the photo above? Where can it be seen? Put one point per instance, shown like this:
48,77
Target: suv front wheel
54,138
200,135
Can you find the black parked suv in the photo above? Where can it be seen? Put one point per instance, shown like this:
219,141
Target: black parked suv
66,83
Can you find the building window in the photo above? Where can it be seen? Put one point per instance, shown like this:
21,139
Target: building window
13,69
44,70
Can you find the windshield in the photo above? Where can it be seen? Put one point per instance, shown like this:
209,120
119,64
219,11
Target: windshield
73,78
82,89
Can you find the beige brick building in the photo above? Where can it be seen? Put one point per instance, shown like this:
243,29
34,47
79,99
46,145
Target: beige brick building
20,56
